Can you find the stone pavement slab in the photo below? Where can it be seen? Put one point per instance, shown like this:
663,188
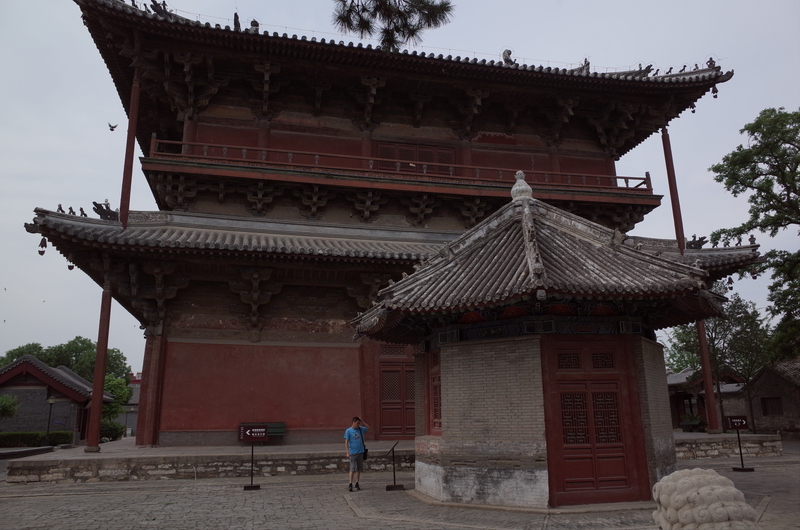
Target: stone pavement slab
302,502
322,501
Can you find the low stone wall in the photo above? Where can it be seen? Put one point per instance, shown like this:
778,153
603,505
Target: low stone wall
192,467
689,446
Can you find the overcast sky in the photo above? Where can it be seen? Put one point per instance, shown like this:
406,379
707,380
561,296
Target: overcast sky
57,98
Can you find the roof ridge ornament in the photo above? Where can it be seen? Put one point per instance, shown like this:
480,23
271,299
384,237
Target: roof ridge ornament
521,189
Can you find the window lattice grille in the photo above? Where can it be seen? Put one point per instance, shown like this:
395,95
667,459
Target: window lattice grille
574,418
390,386
606,417
602,361
569,361
409,385
393,351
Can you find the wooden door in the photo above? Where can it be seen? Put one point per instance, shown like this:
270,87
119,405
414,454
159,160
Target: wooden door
594,435
397,399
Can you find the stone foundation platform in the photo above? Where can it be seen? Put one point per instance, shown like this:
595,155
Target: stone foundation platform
690,446
133,464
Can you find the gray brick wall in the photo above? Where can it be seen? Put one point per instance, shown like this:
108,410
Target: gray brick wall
34,409
654,401
493,390
492,449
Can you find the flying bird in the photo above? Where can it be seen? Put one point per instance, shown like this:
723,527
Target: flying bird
112,127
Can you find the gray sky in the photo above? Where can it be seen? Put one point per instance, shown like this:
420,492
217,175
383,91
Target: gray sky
57,98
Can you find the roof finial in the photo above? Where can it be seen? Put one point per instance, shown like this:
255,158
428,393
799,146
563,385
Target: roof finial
521,189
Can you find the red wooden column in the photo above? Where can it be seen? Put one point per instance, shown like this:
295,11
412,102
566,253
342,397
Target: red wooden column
677,218
96,409
127,171
705,359
149,419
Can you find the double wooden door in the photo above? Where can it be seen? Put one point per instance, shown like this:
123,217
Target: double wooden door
397,399
594,435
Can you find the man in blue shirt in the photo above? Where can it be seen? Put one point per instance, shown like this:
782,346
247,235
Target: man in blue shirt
354,447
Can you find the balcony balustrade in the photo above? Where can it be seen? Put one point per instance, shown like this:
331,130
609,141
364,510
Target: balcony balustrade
339,164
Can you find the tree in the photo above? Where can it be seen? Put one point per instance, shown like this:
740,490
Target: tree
768,170
78,355
397,21
9,405
739,342
119,389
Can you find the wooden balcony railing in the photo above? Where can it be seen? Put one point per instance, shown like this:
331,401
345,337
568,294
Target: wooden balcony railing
317,162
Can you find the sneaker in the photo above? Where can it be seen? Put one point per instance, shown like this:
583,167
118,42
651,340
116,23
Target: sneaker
350,487
358,487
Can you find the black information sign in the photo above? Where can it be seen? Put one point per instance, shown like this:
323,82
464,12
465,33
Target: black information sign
253,432
736,423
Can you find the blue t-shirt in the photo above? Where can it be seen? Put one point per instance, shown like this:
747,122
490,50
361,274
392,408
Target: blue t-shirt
354,440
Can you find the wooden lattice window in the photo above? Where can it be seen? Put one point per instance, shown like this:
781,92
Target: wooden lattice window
569,361
574,418
390,386
602,361
606,417
393,351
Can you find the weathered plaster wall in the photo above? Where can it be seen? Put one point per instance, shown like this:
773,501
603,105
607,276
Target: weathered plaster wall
492,450
656,415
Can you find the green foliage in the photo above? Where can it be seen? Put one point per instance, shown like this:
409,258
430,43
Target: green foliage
397,21
111,430
740,341
9,406
34,439
33,348
768,170
78,355
119,388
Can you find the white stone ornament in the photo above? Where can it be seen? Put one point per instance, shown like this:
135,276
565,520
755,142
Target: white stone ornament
521,189
701,499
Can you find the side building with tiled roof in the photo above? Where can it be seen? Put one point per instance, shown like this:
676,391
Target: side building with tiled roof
775,394
50,399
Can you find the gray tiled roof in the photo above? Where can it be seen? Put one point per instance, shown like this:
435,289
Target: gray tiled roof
790,370
531,249
712,73
210,233
62,374
529,245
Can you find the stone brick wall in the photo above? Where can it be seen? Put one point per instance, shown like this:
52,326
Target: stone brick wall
689,446
194,467
492,390
654,402
772,385
492,450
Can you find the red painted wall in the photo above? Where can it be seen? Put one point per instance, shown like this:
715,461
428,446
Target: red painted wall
217,386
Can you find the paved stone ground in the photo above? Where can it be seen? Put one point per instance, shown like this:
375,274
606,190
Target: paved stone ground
282,502
306,502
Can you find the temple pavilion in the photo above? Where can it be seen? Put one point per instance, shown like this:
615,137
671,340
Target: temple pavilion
299,181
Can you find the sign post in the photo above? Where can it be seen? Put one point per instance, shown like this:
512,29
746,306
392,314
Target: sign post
252,432
394,486
738,423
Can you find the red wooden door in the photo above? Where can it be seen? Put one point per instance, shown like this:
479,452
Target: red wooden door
397,399
595,447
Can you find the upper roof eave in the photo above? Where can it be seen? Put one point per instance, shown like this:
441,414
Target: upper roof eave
373,57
